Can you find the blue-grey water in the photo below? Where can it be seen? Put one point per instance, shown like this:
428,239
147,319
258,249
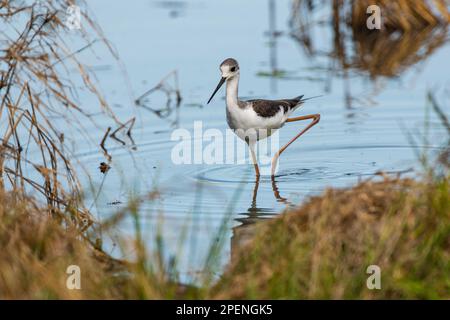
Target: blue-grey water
351,142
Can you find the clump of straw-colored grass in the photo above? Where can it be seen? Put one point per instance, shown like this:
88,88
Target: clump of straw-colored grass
37,80
404,15
323,249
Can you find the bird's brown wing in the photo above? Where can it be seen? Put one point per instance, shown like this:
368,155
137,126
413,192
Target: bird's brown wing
269,108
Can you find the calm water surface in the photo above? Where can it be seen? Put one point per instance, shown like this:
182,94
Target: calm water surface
355,138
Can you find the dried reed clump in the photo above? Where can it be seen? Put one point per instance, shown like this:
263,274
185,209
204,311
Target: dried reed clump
322,249
37,85
404,15
411,31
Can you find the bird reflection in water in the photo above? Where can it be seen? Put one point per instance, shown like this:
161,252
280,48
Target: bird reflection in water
245,231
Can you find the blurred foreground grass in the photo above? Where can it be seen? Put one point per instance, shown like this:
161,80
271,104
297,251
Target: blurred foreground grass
321,250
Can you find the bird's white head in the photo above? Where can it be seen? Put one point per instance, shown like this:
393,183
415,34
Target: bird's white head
229,68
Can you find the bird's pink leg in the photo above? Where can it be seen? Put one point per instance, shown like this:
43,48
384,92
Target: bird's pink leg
255,161
314,117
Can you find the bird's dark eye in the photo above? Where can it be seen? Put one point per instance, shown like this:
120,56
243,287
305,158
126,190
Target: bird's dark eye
233,69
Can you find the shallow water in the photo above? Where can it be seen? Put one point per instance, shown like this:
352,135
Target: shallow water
350,142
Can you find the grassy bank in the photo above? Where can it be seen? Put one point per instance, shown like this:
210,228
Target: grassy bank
37,250
321,250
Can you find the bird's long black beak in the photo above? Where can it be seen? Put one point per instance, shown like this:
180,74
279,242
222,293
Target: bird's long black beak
221,82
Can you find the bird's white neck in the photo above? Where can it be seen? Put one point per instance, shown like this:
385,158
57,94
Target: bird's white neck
232,91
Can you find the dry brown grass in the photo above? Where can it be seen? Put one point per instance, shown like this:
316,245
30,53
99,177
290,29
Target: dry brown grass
36,251
38,72
404,15
322,249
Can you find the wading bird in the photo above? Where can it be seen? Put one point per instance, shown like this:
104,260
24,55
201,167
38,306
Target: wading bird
254,120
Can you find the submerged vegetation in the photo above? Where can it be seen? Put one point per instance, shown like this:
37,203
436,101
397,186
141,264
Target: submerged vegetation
320,250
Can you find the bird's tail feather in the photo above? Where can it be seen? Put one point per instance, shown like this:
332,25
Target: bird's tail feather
300,98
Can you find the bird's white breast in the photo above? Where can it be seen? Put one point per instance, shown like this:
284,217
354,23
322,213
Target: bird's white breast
245,118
